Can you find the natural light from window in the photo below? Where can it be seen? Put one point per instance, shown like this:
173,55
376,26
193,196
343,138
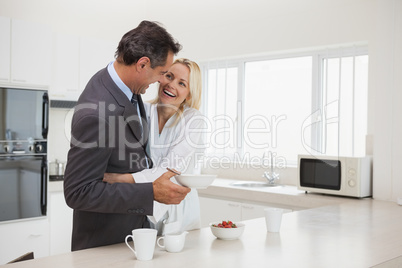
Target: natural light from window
277,97
311,103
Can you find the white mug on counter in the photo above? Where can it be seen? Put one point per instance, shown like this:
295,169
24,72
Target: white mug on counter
144,243
273,219
172,242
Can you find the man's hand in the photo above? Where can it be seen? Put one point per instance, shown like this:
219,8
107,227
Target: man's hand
167,192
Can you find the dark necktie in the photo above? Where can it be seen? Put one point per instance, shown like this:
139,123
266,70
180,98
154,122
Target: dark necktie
134,101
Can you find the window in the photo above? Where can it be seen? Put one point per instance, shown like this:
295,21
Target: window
277,97
344,105
221,110
313,102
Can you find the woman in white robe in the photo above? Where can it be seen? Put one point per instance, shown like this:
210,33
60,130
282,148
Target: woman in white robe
175,141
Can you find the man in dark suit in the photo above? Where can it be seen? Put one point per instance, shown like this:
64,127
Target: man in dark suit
109,134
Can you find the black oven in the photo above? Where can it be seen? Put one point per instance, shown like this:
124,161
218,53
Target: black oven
24,117
23,187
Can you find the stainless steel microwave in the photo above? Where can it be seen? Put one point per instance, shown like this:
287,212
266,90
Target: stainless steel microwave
344,176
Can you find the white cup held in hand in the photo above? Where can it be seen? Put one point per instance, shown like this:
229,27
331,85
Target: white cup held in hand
144,243
172,242
273,219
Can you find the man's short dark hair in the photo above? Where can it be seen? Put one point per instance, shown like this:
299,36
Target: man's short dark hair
150,40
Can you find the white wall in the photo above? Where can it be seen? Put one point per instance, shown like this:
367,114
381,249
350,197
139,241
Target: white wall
385,110
59,134
211,29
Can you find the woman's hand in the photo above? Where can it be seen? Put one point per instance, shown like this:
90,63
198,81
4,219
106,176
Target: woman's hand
117,177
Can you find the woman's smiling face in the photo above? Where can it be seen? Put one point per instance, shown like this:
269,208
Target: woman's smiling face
174,86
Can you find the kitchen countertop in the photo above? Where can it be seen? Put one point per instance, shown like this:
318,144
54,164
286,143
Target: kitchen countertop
357,233
285,196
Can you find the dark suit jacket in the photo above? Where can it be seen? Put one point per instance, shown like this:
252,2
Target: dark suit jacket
106,137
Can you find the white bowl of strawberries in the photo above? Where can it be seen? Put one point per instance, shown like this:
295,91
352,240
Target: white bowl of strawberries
227,230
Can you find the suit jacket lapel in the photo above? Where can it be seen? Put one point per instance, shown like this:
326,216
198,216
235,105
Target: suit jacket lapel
130,114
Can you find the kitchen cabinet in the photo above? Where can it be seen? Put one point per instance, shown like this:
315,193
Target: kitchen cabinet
215,209
61,224
75,60
95,54
65,71
5,44
20,237
252,211
31,46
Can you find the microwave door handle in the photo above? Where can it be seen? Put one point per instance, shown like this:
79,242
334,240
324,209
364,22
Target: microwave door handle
45,115
43,197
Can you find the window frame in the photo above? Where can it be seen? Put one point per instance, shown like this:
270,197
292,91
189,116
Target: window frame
318,57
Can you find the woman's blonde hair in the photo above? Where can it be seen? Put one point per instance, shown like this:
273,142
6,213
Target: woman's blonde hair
195,85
